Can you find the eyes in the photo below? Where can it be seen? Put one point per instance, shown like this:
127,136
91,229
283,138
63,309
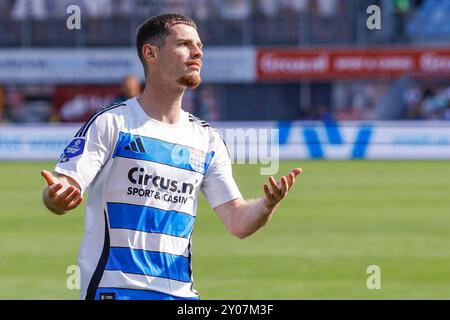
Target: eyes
189,43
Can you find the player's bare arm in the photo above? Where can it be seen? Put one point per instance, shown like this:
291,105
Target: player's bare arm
61,194
243,218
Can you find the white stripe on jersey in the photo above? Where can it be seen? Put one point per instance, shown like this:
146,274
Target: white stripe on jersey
118,279
149,241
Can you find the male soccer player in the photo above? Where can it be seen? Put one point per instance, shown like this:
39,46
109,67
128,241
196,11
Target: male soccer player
143,162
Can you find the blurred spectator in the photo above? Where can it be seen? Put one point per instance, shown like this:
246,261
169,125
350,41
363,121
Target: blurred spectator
206,15
267,22
325,114
29,103
427,102
98,12
269,8
221,21
188,103
436,103
125,8
130,87
208,104
234,14
347,113
97,8
146,8
178,6
5,24
235,9
5,8
326,20
293,13
402,11
15,101
24,9
2,104
412,98
327,8
297,5
204,9
357,100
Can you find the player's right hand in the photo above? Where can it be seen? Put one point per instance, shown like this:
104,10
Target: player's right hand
58,197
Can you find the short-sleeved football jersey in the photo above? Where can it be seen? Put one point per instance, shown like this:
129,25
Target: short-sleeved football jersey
142,177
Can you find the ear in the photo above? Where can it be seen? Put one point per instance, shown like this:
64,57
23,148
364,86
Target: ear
149,52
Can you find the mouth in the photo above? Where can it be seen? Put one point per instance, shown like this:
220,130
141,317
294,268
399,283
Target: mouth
194,65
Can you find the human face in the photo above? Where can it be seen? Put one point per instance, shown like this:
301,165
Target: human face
180,58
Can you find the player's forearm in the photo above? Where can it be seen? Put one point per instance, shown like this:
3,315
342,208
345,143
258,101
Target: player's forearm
250,216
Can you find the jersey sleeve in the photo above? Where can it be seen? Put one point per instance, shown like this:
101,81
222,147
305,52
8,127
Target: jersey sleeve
218,185
88,151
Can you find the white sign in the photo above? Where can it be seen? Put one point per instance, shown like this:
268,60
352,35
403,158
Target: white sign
102,66
296,140
34,142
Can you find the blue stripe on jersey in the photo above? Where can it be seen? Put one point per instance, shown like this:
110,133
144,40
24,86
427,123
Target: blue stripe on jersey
155,264
148,219
155,150
83,130
136,294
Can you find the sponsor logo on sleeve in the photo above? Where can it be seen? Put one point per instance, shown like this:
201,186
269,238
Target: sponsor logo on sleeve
75,148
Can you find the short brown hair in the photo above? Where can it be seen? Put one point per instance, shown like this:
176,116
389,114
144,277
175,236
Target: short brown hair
155,30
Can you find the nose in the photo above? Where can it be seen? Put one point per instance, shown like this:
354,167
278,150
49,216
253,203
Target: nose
197,53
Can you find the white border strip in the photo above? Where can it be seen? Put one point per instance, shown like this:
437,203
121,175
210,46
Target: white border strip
157,242
118,279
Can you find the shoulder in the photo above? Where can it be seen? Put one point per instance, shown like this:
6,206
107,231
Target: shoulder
197,121
205,127
103,118
117,109
113,110
215,137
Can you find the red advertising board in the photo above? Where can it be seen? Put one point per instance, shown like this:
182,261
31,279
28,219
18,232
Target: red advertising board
76,103
292,64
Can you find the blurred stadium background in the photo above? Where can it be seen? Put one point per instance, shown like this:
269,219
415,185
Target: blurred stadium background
376,100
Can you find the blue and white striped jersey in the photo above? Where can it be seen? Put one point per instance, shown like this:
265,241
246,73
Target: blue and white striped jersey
143,177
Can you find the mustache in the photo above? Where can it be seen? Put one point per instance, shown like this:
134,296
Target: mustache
196,62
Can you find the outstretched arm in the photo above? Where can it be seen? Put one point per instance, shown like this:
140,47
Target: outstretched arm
243,218
61,194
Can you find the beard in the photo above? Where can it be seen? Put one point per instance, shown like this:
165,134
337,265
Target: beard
191,81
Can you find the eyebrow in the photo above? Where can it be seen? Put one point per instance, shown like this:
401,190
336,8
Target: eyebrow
199,43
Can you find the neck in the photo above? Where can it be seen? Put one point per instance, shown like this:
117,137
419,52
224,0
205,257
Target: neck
162,102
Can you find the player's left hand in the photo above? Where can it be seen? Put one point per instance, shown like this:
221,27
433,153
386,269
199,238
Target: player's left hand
279,189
